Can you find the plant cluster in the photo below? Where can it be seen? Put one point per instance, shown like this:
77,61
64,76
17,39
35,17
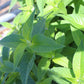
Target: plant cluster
45,44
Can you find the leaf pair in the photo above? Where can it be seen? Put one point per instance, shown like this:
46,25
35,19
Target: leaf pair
75,75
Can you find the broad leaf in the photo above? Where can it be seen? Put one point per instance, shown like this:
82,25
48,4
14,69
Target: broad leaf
12,41
43,66
28,27
25,66
77,35
77,20
61,60
62,72
41,43
78,60
19,51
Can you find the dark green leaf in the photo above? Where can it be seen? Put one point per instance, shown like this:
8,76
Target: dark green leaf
39,27
7,67
25,66
41,43
12,41
5,53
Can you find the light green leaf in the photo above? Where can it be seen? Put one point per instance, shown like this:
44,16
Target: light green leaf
41,43
29,2
47,54
78,61
77,20
12,41
62,60
25,66
7,25
62,72
77,35
43,66
60,37
19,51
40,4
28,27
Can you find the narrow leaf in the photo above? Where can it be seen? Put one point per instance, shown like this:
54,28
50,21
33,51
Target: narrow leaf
25,66
43,66
28,27
19,51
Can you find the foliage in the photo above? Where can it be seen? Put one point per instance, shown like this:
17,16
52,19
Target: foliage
46,43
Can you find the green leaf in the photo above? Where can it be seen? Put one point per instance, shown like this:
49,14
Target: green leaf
7,67
7,25
68,38
78,60
66,2
40,4
30,80
43,66
19,51
45,81
41,43
60,37
77,20
5,53
77,35
12,77
28,27
39,27
69,52
29,3
47,54
62,72
25,66
11,41
62,60
13,2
